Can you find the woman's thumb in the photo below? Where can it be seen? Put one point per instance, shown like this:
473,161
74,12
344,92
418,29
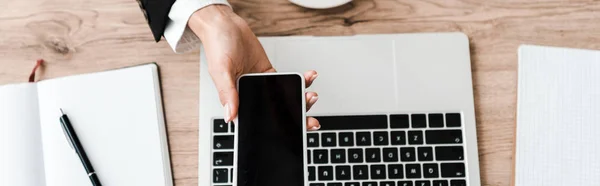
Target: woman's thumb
225,84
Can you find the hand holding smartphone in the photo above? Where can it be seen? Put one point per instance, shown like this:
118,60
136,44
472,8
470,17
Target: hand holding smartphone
271,131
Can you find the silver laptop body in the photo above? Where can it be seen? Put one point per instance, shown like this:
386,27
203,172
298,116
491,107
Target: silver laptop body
418,84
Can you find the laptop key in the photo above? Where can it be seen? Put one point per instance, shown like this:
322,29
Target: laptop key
355,156
443,136
338,156
328,140
415,137
452,170
232,127
418,120
360,172
440,183
352,122
363,138
380,138
373,154
398,137
395,171
320,156
399,121
334,184
220,175
346,139
458,183
352,184
231,175
343,173
422,183
390,154
430,170
312,139
317,184
405,183
223,158
308,156
426,153
325,173
378,172
371,183
387,183
219,126
436,120
407,154
449,153
413,170
223,142
311,173
453,120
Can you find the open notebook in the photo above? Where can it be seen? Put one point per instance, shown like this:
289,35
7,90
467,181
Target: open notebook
558,117
117,115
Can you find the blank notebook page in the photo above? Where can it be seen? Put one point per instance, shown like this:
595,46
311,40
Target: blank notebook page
117,116
558,117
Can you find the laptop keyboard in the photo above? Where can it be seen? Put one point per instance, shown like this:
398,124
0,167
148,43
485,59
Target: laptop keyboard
370,150
222,152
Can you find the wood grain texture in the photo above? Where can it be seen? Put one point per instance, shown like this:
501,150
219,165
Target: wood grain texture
81,36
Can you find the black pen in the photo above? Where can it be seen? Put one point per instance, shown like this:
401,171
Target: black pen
76,145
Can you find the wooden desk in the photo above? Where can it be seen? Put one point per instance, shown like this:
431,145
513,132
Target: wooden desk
86,36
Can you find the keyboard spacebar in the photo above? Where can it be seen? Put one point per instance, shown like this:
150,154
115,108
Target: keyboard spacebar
353,122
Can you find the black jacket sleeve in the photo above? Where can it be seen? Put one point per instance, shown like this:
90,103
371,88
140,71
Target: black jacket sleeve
157,15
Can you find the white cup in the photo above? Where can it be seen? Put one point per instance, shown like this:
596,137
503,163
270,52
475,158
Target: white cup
320,4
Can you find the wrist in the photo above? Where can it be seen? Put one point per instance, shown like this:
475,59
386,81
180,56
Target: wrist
200,22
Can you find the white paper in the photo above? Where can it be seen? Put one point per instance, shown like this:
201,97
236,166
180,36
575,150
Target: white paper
21,162
558,117
118,118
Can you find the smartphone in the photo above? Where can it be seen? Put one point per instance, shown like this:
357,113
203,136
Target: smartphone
270,140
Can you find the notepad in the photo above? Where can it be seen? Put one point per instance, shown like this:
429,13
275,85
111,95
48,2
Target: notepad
116,114
558,117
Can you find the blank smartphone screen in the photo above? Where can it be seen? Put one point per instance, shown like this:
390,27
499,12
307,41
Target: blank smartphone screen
270,131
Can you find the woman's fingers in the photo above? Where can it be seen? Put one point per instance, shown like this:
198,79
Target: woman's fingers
309,77
312,124
311,99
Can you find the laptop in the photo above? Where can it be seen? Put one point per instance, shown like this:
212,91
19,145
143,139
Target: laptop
395,110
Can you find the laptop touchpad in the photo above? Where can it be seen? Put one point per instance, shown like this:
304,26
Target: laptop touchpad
355,75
